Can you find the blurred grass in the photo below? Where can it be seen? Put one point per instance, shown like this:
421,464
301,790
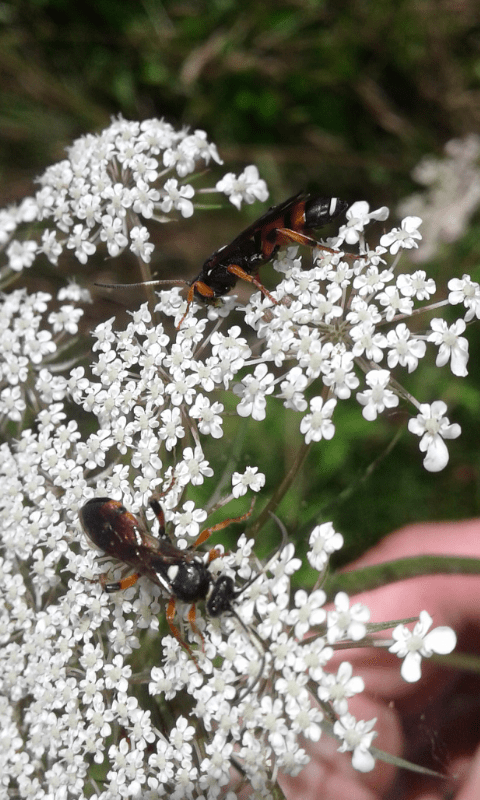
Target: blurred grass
352,93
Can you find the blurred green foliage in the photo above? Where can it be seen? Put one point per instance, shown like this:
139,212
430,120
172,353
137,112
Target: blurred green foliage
348,91
361,89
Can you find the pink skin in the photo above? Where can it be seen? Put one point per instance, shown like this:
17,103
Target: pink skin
441,711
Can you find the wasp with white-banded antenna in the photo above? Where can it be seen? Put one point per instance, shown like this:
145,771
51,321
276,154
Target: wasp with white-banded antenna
282,225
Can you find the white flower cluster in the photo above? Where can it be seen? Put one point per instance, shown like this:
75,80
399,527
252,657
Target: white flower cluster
109,185
66,673
142,417
339,322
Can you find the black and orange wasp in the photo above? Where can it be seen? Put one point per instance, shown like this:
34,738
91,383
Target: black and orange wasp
280,226
258,244
183,574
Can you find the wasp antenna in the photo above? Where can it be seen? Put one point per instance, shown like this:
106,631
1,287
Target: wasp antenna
277,550
239,767
141,283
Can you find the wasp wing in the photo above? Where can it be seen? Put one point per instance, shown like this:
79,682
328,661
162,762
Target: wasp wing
269,216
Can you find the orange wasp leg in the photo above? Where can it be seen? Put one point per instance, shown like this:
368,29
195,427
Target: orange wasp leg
119,586
202,289
191,618
175,631
240,273
286,236
204,535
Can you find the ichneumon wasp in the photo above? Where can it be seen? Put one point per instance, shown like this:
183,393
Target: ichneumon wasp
282,225
183,574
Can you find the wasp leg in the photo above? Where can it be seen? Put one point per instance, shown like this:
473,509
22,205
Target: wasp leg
205,534
170,617
285,236
191,618
202,288
214,553
240,273
158,511
157,508
119,586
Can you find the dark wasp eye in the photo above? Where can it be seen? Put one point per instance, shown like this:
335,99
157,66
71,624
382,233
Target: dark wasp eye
221,596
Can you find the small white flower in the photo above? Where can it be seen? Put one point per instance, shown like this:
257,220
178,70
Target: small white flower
272,719
197,142
337,688
112,233
434,427
402,237
140,245
417,285
308,612
357,736
358,216
119,198
325,307
117,674
177,197
318,424
250,479
188,521
394,302
79,241
51,246
66,319
208,415
465,291
453,346
247,187
194,467
340,375
38,346
292,390
252,390
8,223
21,254
404,348
182,388
89,209
368,342
412,646
378,397
371,281
323,542
346,622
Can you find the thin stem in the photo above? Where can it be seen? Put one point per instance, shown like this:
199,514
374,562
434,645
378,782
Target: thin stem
277,497
368,578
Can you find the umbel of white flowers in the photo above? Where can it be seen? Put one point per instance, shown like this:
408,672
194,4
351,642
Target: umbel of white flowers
138,418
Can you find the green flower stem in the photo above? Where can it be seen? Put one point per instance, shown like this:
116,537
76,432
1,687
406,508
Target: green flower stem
368,578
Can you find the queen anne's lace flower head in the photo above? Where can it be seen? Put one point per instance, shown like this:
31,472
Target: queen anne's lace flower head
144,415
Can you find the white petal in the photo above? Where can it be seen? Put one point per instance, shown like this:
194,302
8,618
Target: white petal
362,760
437,455
441,640
411,671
